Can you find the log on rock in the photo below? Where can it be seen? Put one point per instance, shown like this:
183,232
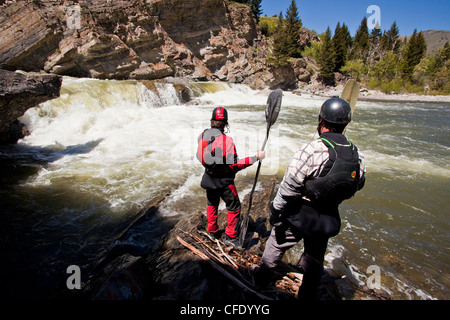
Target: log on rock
221,270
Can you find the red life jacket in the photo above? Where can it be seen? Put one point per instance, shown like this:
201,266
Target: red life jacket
216,151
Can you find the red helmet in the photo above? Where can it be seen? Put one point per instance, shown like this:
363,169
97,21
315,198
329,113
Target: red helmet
220,114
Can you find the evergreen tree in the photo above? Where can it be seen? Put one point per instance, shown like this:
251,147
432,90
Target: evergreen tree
292,28
340,47
279,51
361,42
374,53
414,52
326,58
384,42
280,23
392,38
255,6
348,38
375,37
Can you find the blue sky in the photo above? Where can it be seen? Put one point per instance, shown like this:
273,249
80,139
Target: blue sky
319,14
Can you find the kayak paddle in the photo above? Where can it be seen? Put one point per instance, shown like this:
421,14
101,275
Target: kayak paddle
272,110
350,93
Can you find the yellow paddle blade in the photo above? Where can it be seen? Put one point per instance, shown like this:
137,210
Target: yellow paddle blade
351,93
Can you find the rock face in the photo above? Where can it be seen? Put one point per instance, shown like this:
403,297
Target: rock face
18,93
163,269
142,39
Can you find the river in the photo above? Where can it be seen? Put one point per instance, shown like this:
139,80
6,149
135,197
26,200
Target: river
105,149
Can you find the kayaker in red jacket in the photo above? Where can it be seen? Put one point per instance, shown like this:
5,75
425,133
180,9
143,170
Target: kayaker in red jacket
217,152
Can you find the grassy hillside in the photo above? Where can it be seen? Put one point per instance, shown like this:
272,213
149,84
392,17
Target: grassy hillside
435,39
268,24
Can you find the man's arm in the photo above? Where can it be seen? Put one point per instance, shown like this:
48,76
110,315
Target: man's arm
362,173
307,162
233,160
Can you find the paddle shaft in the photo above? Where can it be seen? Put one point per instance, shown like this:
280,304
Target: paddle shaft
257,173
272,110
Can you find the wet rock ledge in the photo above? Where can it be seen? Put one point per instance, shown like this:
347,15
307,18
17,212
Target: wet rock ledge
20,92
163,269
160,268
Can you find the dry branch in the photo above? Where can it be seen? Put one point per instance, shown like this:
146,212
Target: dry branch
229,276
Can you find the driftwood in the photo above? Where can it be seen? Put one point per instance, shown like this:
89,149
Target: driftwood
236,264
226,255
217,267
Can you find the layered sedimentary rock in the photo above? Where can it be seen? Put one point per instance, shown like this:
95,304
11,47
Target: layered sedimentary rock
18,93
152,39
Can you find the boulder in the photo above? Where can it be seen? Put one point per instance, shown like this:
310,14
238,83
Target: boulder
180,274
18,93
126,278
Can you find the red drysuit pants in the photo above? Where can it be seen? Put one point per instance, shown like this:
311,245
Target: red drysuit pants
230,196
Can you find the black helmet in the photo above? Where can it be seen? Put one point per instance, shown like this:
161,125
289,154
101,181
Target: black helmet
336,110
220,114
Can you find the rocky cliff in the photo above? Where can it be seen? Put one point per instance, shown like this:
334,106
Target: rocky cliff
199,40
140,39
18,93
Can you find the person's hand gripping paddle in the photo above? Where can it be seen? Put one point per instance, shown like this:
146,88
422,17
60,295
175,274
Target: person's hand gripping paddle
272,110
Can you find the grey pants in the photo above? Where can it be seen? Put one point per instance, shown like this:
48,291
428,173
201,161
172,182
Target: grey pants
285,237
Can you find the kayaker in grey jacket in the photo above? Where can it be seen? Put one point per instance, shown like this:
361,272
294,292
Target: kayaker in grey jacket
322,174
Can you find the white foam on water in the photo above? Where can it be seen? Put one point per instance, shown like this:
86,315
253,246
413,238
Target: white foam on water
382,162
140,146
127,145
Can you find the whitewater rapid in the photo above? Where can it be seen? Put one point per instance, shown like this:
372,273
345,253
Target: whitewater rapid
105,149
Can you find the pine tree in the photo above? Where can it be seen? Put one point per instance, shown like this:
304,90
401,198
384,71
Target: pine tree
421,46
361,42
392,38
414,52
255,6
326,58
279,52
348,37
292,28
374,53
375,36
339,46
384,42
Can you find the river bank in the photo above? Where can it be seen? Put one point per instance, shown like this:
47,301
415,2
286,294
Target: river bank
377,95
104,149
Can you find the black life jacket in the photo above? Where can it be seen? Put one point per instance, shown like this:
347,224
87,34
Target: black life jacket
340,176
